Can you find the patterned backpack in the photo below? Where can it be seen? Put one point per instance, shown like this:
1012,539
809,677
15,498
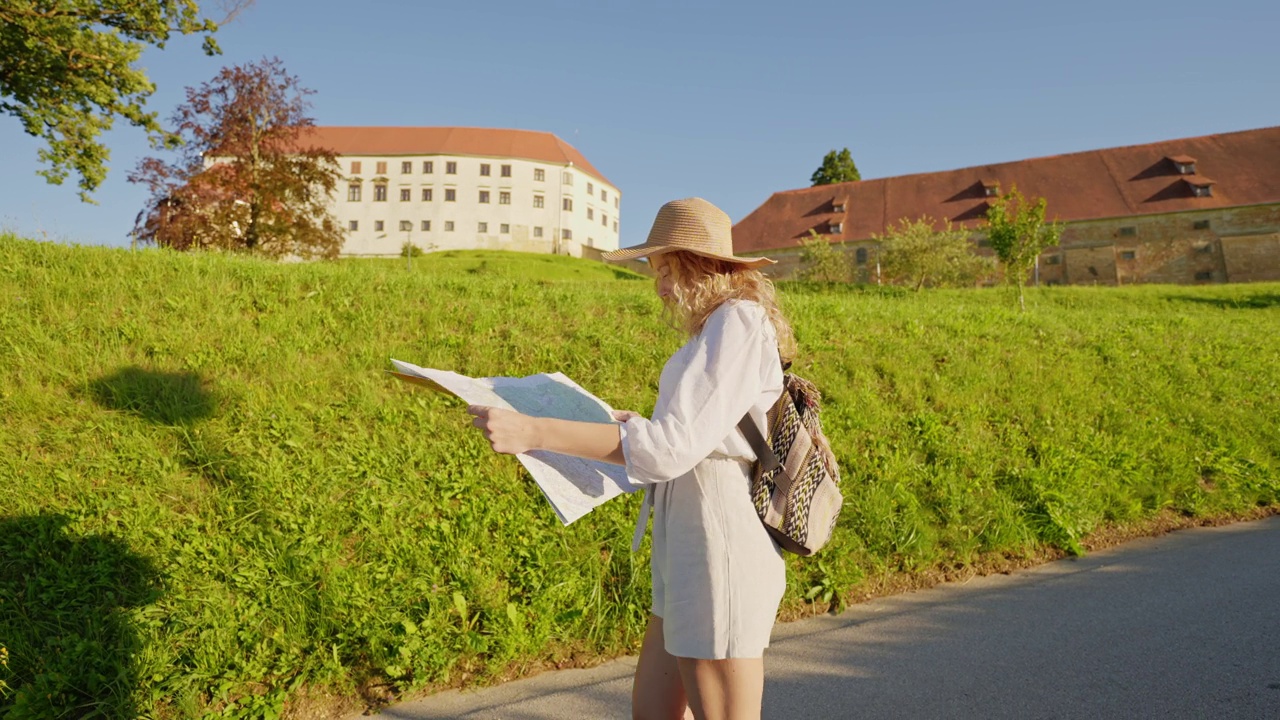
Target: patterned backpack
795,485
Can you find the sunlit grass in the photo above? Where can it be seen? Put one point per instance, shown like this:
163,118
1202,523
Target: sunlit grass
211,494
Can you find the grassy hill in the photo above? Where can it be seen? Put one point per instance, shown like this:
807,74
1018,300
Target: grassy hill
213,500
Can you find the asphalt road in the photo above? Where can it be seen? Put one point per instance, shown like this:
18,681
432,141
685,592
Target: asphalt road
1182,626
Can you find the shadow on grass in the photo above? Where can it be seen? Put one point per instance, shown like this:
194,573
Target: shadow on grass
1260,301
166,398
64,602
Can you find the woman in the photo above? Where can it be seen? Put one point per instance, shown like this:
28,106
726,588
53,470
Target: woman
717,574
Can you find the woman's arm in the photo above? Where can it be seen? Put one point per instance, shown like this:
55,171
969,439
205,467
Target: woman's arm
513,433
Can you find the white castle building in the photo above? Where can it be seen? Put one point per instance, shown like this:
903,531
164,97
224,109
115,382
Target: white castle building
443,188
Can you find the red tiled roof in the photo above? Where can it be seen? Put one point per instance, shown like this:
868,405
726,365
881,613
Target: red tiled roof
1115,182
485,142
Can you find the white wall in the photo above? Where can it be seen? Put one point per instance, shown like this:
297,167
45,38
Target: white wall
466,213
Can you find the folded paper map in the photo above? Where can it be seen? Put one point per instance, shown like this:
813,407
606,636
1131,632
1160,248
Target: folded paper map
574,486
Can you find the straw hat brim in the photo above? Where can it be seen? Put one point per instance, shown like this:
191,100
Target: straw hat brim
647,250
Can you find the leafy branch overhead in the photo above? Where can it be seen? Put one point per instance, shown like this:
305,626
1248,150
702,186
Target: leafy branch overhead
246,179
69,68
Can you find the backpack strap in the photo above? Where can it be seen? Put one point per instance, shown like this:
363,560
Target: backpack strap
764,454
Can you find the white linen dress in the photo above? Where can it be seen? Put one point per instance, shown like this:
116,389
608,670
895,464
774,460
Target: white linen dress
718,576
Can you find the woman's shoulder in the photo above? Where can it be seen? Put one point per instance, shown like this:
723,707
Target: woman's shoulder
737,313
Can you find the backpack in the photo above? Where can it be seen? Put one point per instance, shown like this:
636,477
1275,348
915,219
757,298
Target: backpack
795,483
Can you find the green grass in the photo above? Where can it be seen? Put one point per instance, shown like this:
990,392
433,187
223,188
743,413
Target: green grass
212,497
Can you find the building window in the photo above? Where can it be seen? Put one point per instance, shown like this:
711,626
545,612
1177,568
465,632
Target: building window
1128,231
591,188
1053,260
426,194
566,234
353,225
505,171
504,197
450,195
1204,275
567,204
604,220
1206,249
428,167
406,225
1200,225
380,192
406,194
567,177
448,226
539,175
604,195
426,226
484,197
382,167
591,214
484,169
538,201
377,226
406,167
537,231
860,256
1202,190
615,226
355,167
451,168
836,227
615,202
504,229
1128,255
353,192
483,227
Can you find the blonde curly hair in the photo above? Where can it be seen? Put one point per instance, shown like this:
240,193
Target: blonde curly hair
701,284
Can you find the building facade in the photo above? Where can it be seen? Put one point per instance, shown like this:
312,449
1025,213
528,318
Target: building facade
1197,210
444,188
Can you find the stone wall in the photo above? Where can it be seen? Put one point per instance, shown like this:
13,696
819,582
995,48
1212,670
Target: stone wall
1239,244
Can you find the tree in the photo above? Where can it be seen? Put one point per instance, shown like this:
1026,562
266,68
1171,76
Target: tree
68,68
917,253
246,180
837,167
821,262
1018,234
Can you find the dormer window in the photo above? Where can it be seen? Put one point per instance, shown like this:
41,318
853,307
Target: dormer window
1185,164
836,226
838,205
990,188
1200,186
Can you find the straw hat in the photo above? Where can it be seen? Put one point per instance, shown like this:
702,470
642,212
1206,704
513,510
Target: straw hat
693,225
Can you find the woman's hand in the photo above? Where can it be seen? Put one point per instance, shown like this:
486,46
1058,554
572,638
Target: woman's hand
625,415
508,432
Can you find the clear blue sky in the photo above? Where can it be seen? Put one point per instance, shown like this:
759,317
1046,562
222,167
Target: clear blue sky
729,101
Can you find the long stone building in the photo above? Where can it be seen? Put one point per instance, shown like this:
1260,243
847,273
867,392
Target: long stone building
443,188
1197,210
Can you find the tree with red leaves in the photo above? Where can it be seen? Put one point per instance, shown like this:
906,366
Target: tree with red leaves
247,179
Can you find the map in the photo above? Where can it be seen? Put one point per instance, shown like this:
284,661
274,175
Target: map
573,486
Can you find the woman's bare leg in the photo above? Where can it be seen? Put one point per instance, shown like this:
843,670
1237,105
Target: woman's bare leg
657,692
731,689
